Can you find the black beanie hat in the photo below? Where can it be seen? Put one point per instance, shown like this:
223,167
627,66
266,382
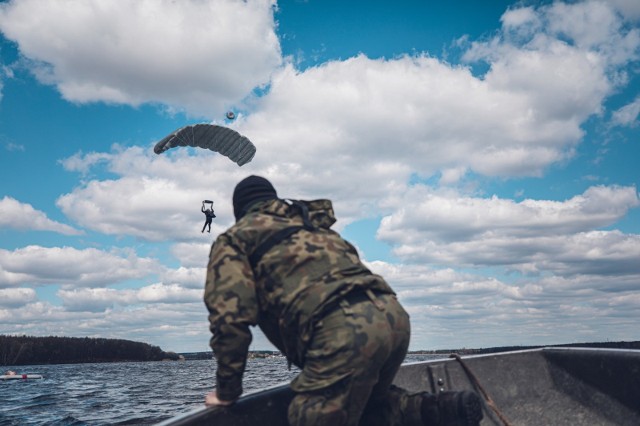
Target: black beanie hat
251,190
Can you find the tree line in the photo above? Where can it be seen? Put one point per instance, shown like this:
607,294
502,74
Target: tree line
29,350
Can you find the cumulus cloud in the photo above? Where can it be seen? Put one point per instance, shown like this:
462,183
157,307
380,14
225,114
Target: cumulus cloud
94,299
530,236
155,198
101,299
184,325
192,278
173,293
382,121
630,9
450,216
21,216
68,266
198,56
627,115
192,255
444,303
593,27
16,297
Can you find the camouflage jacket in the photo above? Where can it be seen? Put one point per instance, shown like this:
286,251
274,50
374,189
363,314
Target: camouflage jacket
285,291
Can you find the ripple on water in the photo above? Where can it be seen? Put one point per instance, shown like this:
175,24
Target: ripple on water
121,393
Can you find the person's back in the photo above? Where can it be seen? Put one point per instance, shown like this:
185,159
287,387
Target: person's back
281,267
299,271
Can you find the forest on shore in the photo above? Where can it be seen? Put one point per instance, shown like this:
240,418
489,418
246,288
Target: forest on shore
29,350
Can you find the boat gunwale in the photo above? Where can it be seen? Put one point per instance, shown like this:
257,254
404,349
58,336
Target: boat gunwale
183,418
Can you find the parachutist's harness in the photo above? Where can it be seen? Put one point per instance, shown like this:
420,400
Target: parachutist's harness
282,234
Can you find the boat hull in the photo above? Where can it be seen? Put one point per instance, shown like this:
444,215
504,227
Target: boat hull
20,376
547,386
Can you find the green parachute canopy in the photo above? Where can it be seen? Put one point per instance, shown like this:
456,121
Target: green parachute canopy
223,140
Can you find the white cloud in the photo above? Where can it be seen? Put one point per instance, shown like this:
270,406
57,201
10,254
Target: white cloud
172,293
156,197
201,56
187,277
630,9
84,162
21,216
449,216
103,299
183,324
357,130
627,115
192,255
593,27
16,297
452,309
94,299
382,120
37,265
530,236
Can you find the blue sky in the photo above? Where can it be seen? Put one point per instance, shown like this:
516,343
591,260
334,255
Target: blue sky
482,159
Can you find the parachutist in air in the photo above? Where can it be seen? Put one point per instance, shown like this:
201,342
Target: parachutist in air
209,216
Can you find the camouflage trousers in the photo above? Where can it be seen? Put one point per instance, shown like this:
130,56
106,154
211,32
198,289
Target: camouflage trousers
353,357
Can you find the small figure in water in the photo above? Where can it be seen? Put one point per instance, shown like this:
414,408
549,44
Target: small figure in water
209,216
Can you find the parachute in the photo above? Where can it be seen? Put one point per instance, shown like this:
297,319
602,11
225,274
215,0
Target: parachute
219,139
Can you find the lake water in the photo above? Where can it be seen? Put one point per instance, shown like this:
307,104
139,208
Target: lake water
128,393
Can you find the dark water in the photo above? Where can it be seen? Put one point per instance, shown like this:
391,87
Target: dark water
130,393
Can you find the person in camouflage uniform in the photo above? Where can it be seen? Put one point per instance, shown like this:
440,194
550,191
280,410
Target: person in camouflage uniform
282,268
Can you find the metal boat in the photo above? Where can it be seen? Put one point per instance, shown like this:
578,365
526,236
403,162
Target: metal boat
545,386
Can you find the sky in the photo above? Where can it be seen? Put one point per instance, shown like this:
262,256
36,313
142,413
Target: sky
481,156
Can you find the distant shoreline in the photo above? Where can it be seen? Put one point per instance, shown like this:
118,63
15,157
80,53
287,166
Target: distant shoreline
29,350
462,351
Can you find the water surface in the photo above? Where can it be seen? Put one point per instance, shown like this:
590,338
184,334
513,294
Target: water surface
127,393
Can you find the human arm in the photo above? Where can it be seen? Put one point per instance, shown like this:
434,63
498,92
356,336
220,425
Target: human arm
232,304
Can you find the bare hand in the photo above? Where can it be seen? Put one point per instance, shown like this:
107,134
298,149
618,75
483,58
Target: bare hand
211,400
